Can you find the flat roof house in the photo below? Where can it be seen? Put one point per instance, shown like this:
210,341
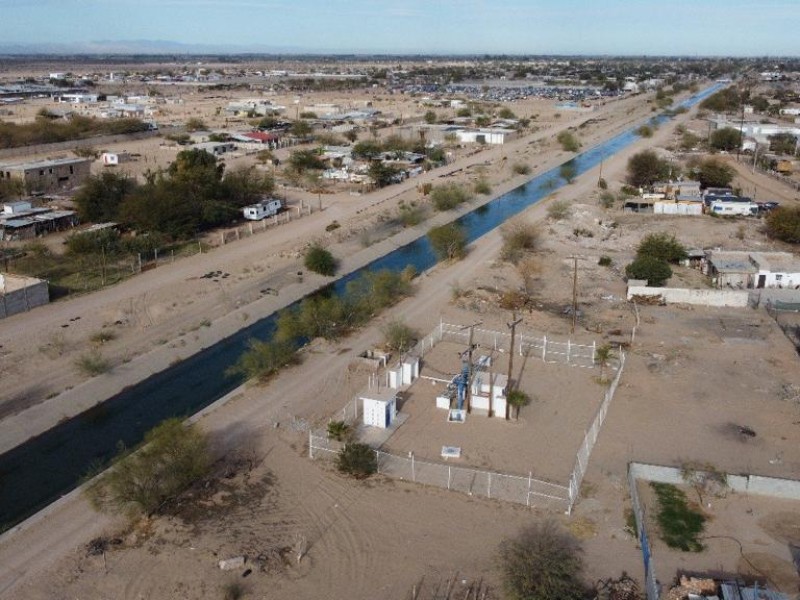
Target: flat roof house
48,175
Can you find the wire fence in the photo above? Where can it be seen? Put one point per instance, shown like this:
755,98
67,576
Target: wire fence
550,350
651,584
590,438
519,489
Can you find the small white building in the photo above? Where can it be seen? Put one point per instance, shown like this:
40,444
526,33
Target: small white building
670,207
379,407
485,136
487,385
112,159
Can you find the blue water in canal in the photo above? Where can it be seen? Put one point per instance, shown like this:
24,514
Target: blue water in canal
41,470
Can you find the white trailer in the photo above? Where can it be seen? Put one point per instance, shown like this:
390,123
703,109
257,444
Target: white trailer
262,210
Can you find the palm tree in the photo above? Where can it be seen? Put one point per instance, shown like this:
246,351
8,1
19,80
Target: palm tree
517,399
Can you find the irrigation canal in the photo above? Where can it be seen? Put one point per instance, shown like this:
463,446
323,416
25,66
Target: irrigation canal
38,472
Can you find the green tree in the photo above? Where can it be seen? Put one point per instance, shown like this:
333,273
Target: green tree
246,185
305,160
262,360
398,336
382,174
449,242
100,197
358,460
339,431
367,150
712,172
320,260
173,457
602,356
726,101
662,246
301,129
519,238
726,138
430,117
653,270
645,168
783,224
783,143
542,562
517,399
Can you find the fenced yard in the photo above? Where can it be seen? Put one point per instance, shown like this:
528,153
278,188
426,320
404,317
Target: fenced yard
569,419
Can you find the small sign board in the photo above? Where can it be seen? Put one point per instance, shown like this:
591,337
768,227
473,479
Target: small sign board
451,452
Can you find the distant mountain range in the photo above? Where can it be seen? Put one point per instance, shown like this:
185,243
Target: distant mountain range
128,47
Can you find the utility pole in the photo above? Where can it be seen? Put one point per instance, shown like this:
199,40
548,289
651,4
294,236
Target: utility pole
513,327
574,293
470,348
600,176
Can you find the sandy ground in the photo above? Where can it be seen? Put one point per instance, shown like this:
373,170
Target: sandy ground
690,375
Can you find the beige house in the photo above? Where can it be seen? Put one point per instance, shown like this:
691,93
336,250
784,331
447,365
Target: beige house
47,176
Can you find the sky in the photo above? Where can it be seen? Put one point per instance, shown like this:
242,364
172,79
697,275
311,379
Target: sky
628,27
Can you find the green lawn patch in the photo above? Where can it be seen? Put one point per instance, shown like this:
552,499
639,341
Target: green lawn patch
680,523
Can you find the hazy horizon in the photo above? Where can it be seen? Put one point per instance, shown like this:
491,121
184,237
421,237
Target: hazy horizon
414,27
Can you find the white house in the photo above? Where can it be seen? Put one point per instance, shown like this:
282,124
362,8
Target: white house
753,269
484,135
112,159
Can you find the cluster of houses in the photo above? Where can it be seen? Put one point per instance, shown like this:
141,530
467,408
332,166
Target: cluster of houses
22,221
686,198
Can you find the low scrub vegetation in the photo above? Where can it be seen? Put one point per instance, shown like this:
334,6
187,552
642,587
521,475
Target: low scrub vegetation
569,141
449,242
559,210
449,196
47,129
521,169
399,337
262,360
319,260
93,363
679,523
542,562
783,224
519,238
358,460
171,458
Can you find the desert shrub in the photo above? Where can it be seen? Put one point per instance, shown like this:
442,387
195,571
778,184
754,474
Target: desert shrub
521,169
645,131
569,142
519,237
320,260
101,337
332,226
605,261
568,172
607,200
558,210
542,562
662,246
582,232
783,224
410,215
358,460
655,271
449,196
726,138
339,431
602,183
93,363
398,336
517,399
482,187
172,458
262,360
449,242
512,300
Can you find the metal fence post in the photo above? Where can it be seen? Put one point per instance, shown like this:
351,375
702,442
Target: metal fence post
413,470
310,444
489,487
544,348
448,477
528,499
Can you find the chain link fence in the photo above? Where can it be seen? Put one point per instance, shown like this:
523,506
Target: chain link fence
528,491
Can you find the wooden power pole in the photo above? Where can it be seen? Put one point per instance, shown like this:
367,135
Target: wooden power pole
513,327
574,293
470,348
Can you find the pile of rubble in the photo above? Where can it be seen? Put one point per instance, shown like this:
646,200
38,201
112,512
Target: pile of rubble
693,587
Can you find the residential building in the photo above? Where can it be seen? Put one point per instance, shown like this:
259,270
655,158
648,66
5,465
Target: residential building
19,294
739,269
48,175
